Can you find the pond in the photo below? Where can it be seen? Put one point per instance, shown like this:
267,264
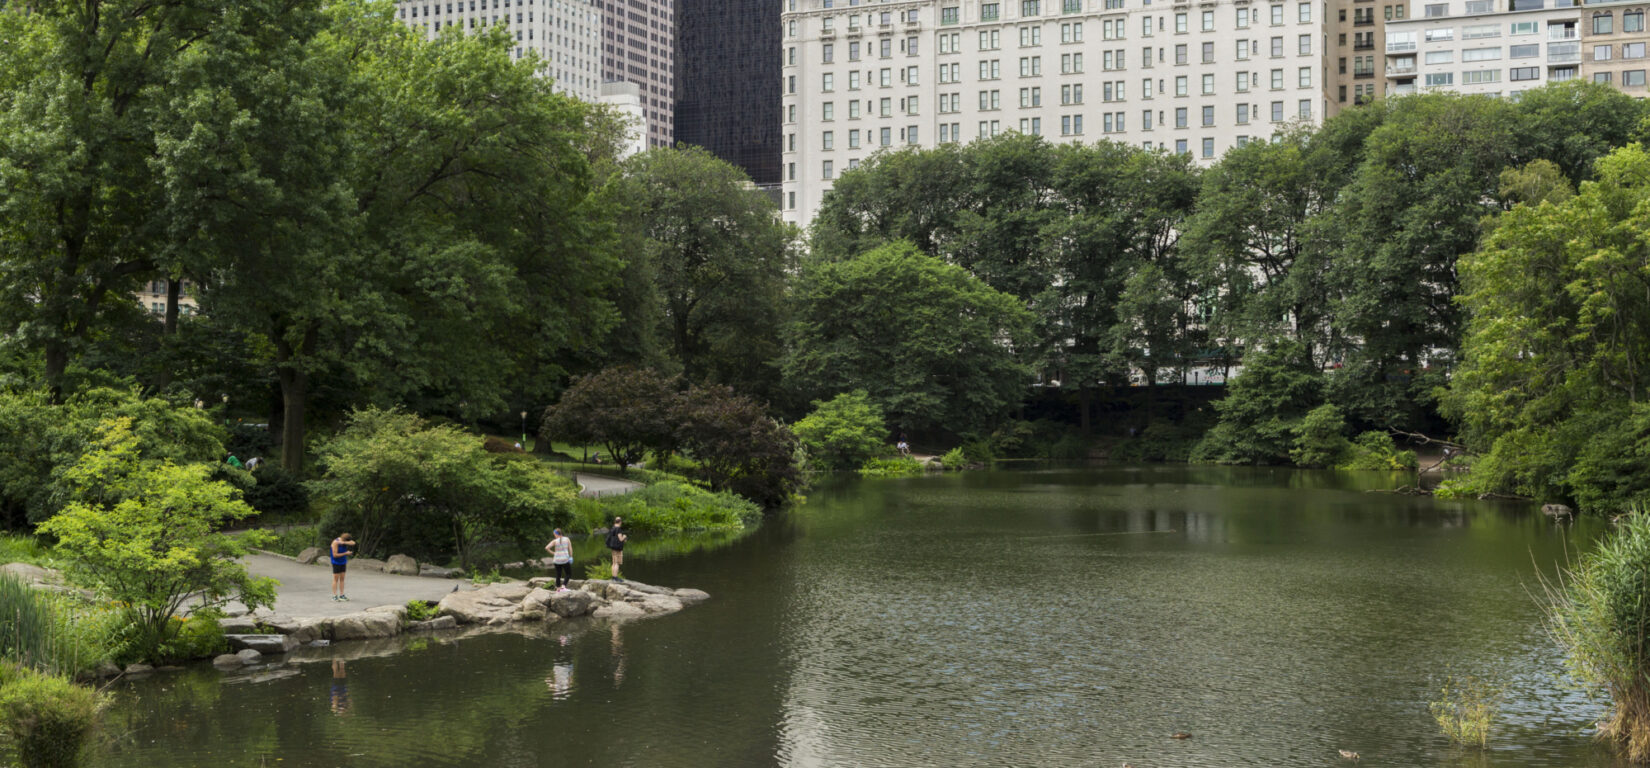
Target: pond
1006,618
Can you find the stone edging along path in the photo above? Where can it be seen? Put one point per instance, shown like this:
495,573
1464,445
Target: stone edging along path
496,605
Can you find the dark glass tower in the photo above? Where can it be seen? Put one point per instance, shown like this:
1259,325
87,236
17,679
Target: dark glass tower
727,82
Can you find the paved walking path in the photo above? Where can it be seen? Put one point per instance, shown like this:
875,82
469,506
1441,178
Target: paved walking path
306,590
593,486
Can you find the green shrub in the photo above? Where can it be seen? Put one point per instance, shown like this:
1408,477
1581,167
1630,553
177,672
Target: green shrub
600,570
675,506
1374,450
978,451
954,459
1320,439
48,719
1160,441
420,610
276,493
843,432
1467,710
898,466
1072,447
1598,612
22,548
1014,440
197,637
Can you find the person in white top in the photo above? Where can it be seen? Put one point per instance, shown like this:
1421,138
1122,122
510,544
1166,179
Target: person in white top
561,556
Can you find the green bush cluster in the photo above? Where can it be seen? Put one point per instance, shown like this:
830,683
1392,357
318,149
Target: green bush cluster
1374,450
954,460
670,506
1159,441
196,637
898,466
843,432
47,719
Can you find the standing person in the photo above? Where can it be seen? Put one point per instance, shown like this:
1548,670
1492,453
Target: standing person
615,542
561,556
340,551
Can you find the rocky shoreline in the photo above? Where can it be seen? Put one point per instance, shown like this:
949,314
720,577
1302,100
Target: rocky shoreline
496,605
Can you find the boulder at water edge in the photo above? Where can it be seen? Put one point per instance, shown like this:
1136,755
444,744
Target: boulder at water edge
365,625
249,656
309,555
574,602
366,564
402,565
494,604
619,610
269,644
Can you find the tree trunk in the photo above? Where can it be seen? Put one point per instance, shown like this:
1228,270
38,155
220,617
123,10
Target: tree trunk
57,361
168,334
1085,399
294,394
174,290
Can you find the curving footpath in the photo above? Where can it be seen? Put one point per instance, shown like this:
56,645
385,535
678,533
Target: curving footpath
306,590
597,486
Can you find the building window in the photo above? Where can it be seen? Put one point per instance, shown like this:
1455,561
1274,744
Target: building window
1243,18
1632,21
1481,77
1303,13
1208,21
826,170
1277,111
1305,77
1603,24
1146,119
990,11
1529,51
827,110
1208,53
1208,116
1633,78
1277,15
1208,148
1436,10
1628,50
1180,23
1243,114
1602,78
949,15
1180,86
827,83
1180,117
1305,109
828,140
1524,73
1601,53
1180,146
1303,46
1440,79
1030,8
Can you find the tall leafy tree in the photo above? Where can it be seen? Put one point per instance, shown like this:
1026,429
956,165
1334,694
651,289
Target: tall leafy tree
932,345
722,259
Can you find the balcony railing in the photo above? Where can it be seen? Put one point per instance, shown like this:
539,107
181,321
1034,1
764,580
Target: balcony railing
1560,33
1392,71
1364,46
1399,47
1363,22
1563,58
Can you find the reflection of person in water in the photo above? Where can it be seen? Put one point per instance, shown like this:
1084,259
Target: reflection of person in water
560,681
340,689
618,655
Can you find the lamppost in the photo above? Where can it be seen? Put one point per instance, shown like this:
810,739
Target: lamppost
523,429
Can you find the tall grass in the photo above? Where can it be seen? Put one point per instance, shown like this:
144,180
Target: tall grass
18,548
55,634
1599,611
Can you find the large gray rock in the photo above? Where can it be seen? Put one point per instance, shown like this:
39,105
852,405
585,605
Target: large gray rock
1557,510
574,602
400,611
649,589
32,574
439,622
302,630
490,605
364,626
309,555
266,644
366,564
691,596
437,572
538,599
619,611
658,604
138,669
239,625
228,661
401,564
249,656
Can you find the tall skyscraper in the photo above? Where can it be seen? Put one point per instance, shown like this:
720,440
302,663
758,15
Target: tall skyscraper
564,33
639,46
728,99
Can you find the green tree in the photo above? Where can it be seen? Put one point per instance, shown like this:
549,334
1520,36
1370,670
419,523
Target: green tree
404,486
843,432
910,194
148,534
1263,408
932,345
722,257
628,411
1553,372
738,446
1320,439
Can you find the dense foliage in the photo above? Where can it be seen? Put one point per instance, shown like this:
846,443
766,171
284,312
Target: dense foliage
843,432
403,486
147,534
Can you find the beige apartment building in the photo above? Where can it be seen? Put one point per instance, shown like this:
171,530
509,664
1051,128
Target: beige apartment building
1190,77
1613,41
1359,34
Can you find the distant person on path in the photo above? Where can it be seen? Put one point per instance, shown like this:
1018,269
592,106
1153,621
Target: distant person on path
253,463
340,551
904,448
234,462
561,556
615,542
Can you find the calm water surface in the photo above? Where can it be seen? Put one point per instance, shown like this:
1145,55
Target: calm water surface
1047,618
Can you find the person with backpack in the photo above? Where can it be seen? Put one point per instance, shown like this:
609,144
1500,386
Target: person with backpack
615,543
561,556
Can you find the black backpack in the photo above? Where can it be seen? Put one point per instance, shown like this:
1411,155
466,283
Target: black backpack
613,541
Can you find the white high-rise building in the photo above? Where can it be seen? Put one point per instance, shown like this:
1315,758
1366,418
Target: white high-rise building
1496,47
566,34
1198,78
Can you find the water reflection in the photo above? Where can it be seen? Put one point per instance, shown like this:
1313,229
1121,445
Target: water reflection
340,688
1053,617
